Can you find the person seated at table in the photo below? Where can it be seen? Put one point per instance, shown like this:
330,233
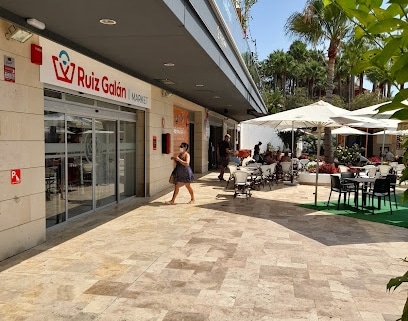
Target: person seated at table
389,157
285,157
278,155
269,157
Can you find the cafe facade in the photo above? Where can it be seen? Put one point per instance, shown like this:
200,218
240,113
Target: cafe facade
77,136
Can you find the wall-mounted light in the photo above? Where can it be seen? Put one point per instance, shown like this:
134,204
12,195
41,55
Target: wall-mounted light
166,93
17,34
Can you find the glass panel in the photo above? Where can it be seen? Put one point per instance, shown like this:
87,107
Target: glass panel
105,160
79,182
54,131
127,160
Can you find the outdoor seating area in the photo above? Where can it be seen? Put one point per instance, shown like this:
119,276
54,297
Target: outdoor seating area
365,189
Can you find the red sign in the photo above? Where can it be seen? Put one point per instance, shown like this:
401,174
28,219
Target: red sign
15,176
154,142
36,54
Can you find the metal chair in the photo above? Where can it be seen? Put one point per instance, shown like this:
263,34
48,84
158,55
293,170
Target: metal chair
338,187
399,170
303,163
287,171
381,190
384,170
393,182
241,184
265,175
232,169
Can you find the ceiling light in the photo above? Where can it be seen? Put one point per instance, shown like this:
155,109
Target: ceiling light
17,34
199,85
166,81
106,21
169,64
36,23
217,97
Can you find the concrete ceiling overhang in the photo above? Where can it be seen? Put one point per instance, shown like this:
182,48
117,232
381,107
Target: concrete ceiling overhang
148,34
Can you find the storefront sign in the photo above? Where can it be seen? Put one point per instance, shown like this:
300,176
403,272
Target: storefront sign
9,69
67,68
15,176
180,127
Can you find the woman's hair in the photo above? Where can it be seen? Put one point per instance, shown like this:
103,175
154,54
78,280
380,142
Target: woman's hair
184,145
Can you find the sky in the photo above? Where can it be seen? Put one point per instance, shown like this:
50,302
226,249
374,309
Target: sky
266,26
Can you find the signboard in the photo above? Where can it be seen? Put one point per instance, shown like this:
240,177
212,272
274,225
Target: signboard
180,127
9,69
69,69
15,176
154,142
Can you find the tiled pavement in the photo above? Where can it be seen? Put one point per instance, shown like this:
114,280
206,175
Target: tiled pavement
221,259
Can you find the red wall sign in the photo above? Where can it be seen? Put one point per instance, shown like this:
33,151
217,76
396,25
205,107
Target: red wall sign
36,54
15,176
154,142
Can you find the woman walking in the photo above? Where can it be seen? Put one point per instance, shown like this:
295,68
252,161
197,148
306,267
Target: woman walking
183,174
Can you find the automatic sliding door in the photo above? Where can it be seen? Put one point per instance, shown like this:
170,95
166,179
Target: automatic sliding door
79,168
127,160
105,162
54,131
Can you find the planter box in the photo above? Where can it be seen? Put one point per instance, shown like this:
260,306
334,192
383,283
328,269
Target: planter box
310,179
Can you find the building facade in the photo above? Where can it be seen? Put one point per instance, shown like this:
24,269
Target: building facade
78,134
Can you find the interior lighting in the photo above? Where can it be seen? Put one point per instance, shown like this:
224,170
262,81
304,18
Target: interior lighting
36,23
107,21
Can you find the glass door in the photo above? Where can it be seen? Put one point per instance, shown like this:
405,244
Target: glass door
54,137
127,160
105,162
79,187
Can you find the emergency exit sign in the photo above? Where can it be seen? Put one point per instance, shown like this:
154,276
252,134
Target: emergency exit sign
15,176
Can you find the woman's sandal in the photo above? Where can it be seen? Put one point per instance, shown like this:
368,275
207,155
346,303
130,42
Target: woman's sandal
169,203
191,202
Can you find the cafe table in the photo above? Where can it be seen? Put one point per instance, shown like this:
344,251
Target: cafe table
357,169
361,183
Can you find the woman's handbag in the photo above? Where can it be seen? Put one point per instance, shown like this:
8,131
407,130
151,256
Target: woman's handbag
171,179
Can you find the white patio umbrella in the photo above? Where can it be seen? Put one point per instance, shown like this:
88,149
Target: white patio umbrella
317,115
372,111
346,130
367,122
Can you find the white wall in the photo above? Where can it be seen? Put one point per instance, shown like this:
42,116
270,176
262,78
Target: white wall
252,134
22,206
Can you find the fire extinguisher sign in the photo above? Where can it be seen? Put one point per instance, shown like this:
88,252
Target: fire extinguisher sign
15,176
9,69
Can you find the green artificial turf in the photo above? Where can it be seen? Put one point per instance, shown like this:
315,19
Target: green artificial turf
399,216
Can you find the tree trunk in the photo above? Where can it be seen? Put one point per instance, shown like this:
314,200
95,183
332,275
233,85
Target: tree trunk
328,158
348,92
329,97
361,84
329,87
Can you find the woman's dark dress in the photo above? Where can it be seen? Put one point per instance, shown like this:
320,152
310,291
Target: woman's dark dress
182,174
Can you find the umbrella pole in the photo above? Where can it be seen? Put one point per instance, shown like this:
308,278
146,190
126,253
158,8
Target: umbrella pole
382,152
366,144
317,163
293,142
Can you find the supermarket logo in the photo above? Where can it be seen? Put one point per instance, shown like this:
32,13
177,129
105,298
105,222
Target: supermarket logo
63,67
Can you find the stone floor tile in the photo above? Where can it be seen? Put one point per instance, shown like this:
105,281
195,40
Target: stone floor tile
220,259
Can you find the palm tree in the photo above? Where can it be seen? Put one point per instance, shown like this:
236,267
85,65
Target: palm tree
316,24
